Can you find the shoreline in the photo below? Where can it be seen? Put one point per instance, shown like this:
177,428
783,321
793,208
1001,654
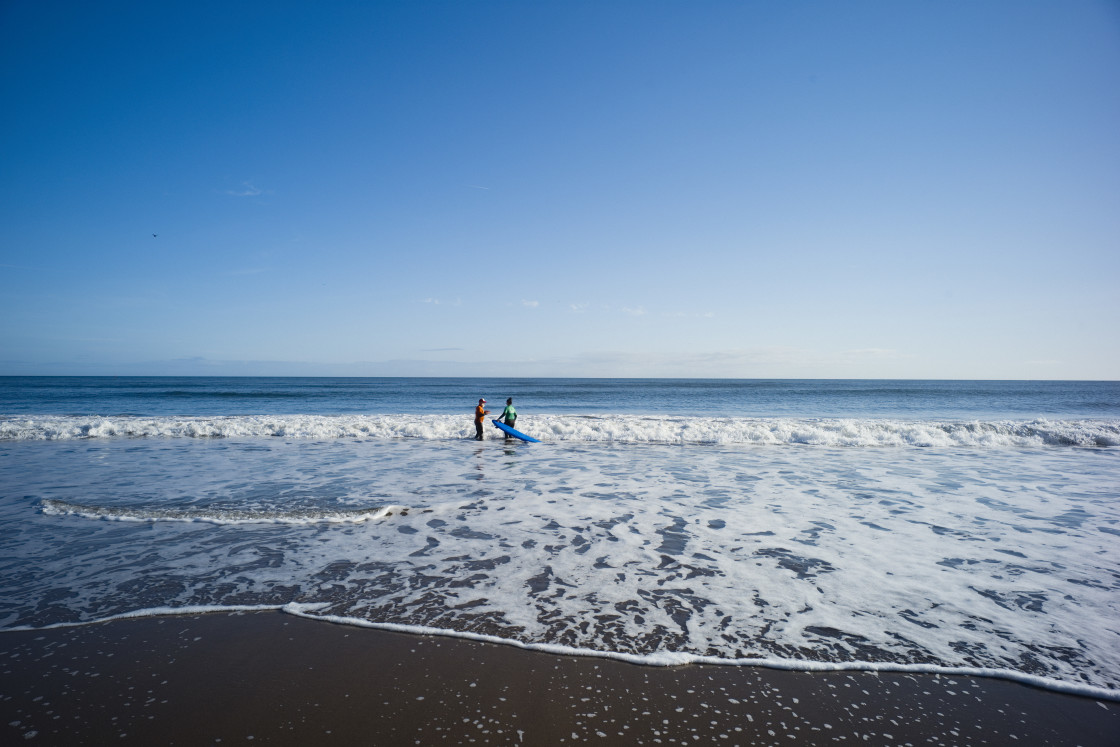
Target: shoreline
287,679
669,660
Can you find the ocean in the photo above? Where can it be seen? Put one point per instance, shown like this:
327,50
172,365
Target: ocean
955,527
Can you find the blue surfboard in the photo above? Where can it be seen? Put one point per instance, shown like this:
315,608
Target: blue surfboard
514,432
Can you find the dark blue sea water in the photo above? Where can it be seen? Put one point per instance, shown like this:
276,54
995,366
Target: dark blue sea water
205,396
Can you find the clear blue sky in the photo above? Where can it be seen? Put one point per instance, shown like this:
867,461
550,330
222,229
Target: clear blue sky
732,189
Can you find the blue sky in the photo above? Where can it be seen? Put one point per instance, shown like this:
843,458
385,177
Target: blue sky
728,189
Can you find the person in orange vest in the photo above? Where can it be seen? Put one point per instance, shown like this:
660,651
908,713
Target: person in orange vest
479,415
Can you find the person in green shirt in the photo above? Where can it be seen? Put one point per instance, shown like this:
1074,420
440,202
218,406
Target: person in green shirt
509,415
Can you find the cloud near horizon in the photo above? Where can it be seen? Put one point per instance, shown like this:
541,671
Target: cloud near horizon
746,363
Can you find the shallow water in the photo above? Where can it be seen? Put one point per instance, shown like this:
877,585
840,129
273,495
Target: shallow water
992,558
917,526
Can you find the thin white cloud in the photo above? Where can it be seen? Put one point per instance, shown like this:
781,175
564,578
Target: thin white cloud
433,301
636,311
579,308
530,304
248,190
475,186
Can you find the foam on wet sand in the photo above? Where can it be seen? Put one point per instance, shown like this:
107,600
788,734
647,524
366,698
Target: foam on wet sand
283,679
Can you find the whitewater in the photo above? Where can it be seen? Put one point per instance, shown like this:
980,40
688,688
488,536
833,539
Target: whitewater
620,428
878,536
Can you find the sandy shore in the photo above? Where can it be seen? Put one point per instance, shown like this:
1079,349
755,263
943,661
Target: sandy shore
279,679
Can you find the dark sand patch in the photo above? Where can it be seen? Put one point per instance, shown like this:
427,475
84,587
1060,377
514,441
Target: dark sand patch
279,679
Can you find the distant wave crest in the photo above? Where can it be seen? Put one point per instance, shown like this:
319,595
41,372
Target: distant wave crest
218,515
626,429
617,429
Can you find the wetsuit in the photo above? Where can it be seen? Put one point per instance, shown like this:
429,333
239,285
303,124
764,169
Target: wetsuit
509,416
479,416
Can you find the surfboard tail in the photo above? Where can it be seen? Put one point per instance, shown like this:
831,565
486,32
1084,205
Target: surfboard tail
514,432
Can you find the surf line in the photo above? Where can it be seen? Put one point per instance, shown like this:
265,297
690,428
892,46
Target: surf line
220,516
201,609
672,659
666,659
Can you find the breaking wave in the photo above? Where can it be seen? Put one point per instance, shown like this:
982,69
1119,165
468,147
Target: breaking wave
625,429
219,515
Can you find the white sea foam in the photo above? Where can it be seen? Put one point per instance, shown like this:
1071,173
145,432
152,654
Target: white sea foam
196,609
673,659
214,515
661,659
585,428
986,561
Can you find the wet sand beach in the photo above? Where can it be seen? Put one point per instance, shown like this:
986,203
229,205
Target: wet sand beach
274,678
